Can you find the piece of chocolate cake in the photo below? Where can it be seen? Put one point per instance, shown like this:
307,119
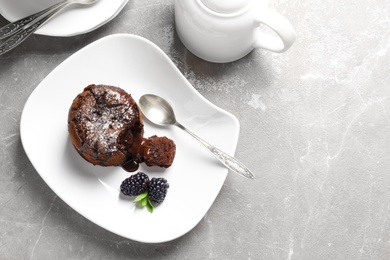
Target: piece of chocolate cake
158,151
105,126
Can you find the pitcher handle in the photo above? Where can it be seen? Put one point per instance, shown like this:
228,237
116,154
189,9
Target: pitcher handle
280,25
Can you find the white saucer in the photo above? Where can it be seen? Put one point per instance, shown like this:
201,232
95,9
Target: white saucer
75,19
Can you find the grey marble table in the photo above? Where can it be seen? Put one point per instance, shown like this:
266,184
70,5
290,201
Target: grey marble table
314,127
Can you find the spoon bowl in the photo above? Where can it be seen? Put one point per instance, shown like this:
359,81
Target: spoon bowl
157,110
160,112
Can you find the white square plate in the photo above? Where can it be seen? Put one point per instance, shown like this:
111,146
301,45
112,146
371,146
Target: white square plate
139,67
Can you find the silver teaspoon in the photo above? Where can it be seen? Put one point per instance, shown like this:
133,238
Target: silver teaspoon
20,30
160,112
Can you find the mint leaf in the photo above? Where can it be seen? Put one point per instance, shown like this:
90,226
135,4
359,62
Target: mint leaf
144,201
141,196
149,205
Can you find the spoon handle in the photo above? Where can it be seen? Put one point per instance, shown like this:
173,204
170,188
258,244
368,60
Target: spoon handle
24,32
229,161
18,25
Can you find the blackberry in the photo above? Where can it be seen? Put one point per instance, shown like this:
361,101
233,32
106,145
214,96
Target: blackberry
158,188
135,184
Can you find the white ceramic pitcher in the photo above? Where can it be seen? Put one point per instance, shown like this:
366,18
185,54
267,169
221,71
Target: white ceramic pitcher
227,30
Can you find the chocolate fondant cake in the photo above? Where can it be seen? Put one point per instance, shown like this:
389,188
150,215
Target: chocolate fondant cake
105,126
160,151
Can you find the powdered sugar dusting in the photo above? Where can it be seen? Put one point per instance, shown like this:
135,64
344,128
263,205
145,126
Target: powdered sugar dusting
105,114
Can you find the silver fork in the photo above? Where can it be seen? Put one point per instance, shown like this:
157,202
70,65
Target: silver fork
20,30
